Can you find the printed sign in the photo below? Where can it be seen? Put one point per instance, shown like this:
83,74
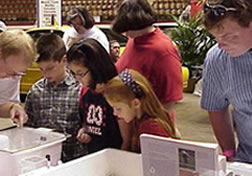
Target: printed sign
49,13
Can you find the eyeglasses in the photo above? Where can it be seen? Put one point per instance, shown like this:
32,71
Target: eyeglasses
80,75
217,10
76,24
76,21
17,74
11,72
20,74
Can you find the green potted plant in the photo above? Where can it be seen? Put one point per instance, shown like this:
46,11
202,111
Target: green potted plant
193,42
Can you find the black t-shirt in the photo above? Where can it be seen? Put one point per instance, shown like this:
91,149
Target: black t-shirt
102,125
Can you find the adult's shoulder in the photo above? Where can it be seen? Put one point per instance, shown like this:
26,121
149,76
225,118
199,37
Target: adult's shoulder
163,43
216,63
70,32
215,55
97,31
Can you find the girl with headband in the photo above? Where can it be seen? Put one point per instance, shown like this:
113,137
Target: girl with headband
133,99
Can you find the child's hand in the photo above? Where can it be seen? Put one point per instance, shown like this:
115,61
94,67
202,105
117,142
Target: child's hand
82,136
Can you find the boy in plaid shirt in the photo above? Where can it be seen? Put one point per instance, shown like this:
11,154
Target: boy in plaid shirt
53,101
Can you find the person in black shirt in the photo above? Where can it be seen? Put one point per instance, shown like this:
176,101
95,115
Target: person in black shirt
91,65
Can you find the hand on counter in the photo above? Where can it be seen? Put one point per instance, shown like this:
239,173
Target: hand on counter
18,114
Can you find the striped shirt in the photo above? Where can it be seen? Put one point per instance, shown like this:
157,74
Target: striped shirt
57,107
228,80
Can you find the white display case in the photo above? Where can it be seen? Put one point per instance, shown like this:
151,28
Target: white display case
160,157
108,162
25,149
239,169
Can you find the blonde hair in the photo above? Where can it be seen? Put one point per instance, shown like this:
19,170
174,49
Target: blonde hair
117,91
17,42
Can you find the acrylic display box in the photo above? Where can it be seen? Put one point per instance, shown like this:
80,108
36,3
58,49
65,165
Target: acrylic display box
160,157
26,149
239,169
107,162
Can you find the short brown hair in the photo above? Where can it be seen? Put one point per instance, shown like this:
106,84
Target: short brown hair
242,15
86,18
50,47
133,15
17,42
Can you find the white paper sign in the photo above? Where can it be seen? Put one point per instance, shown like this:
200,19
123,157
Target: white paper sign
170,157
49,13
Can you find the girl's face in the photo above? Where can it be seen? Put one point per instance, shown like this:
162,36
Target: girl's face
81,73
124,111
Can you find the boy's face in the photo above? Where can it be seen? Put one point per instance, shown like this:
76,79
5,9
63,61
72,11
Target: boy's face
81,73
53,71
233,38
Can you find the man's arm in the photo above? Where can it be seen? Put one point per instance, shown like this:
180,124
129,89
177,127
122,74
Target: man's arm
223,129
15,112
5,109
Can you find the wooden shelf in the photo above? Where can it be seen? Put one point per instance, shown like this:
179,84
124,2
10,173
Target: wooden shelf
25,10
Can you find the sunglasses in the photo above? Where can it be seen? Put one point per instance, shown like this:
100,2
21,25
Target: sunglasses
217,10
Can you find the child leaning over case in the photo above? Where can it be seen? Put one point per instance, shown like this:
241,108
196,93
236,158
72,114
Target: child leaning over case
53,101
92,66
132,98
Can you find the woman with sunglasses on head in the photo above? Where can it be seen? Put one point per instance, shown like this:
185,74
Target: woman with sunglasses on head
131,96
227,75
92,67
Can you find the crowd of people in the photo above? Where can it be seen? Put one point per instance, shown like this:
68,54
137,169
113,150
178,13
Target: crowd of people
105,98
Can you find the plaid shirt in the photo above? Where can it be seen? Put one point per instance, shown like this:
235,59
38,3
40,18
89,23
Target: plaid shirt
57,107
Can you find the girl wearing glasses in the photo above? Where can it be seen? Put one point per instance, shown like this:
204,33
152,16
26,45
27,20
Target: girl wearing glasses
92,66
132,99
